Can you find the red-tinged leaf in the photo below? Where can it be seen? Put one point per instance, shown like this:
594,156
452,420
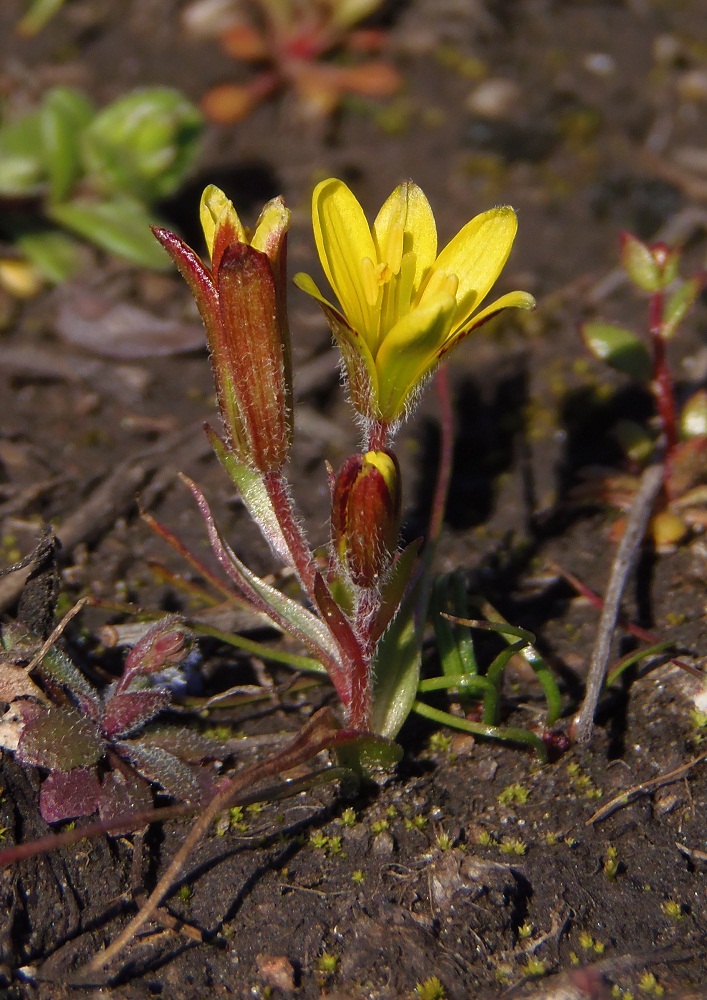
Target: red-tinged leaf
69,794
340,628
288,615
127,711
196,276
60,739
120,795
620,348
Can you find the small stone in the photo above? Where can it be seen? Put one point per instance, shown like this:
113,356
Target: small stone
494,98
599,63
383,845
276,971
692,86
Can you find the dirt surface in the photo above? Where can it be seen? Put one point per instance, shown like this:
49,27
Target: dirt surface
434,871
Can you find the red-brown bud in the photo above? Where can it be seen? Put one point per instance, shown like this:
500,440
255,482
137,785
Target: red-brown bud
365,516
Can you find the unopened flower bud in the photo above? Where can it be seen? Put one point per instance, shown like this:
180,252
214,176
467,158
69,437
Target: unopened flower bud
365,517
242,304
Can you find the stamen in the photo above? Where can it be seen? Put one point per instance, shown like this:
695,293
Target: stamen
370,281
438,283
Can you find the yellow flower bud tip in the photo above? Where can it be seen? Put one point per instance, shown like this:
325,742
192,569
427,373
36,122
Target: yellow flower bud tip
222,226
365,516
402,306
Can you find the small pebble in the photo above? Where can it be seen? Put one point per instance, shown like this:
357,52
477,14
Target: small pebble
496,98
599,63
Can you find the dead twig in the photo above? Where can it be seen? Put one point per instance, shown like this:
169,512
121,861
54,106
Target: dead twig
631,794
651,482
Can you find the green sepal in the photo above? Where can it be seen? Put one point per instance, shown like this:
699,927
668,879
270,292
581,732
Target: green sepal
619,348
120,226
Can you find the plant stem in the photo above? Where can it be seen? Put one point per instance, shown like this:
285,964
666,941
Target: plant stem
663,384
376,437
298,547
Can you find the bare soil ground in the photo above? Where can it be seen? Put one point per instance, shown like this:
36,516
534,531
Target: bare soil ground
431,875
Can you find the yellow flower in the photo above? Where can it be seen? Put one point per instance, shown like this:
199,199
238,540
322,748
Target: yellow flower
403,307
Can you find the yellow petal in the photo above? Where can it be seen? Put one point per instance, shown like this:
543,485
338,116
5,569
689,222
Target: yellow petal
214,210
477,255
511,300
270,228
360,368
405,224
408,353
343,239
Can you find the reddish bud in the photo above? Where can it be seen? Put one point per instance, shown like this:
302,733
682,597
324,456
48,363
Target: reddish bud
365,517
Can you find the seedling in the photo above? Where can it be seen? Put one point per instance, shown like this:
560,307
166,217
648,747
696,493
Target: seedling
513,795
95,746
430,989
681,441
612,865
69,170
289,44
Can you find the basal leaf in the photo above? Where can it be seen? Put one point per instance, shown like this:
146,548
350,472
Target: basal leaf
620,348
120,226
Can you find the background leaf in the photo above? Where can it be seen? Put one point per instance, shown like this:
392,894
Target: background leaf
620,348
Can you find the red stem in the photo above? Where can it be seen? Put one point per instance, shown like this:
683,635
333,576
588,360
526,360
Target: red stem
302,559
663,385
446,457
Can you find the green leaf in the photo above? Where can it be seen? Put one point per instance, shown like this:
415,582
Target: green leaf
39,13
22,164
54,254
635,441
120,226
144,144
620,348
253,492
640,264
396,672
679,304
64,116
693,418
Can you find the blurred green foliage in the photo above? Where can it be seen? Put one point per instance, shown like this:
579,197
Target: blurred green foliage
94,174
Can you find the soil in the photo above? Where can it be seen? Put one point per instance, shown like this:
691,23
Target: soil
434,870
